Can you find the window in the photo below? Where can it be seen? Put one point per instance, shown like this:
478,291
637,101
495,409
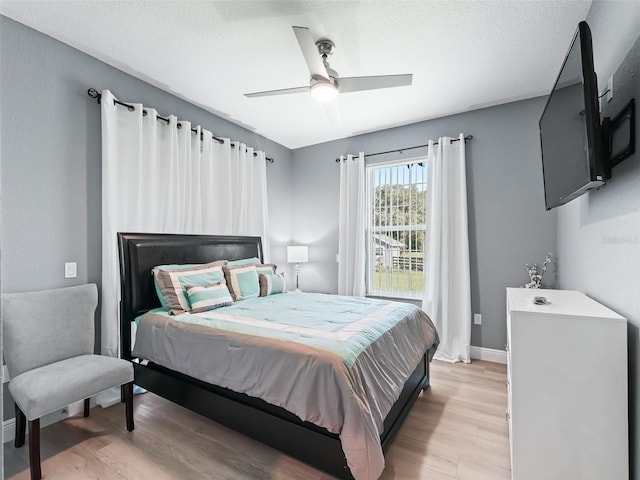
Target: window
396,225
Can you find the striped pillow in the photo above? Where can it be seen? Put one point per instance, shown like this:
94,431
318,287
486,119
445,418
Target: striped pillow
266,269
242,281
209,297
271,284
173,282
154,272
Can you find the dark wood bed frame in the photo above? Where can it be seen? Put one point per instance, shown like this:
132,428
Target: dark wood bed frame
274,426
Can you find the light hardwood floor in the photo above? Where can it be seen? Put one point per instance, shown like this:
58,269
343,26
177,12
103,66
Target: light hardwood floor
456,430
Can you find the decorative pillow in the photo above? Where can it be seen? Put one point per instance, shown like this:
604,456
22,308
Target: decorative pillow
266,269
167,267
209,297
271,284
245,261
242,281
172,283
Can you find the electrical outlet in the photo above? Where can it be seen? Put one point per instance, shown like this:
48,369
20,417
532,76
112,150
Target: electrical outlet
70,270
477,319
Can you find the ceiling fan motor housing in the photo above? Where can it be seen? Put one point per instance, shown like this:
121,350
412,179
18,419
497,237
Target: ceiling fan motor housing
320,79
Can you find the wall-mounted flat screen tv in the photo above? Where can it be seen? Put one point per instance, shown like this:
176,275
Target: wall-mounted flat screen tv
573,156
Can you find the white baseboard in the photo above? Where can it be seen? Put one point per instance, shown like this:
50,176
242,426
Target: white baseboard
9,430
489,354
9,426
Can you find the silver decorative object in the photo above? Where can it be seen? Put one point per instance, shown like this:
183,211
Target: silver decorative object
535,272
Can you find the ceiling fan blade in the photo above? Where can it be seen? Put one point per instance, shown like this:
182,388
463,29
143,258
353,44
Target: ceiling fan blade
357,84
310,52
284,91
332,109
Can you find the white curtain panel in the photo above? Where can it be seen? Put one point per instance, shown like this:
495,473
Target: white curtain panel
447,293
161,178
351,245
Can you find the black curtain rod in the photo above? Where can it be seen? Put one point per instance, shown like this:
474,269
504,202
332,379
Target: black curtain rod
93,93
468,137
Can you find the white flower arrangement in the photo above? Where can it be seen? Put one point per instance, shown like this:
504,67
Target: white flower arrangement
536,273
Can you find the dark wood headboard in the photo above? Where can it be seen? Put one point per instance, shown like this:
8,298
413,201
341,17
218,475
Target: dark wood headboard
140,252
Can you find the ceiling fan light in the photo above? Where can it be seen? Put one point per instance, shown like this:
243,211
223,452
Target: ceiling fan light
324,91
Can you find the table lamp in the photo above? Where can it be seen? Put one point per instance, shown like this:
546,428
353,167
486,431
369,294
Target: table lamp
298,254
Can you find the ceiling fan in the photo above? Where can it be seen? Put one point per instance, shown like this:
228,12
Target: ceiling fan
325,84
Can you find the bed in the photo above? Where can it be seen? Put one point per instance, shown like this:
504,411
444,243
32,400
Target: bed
317,442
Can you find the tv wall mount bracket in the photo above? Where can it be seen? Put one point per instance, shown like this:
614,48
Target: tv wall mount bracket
609,126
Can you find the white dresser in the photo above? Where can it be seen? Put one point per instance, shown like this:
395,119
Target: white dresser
567,384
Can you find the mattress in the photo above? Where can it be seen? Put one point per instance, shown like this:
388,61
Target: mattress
338,362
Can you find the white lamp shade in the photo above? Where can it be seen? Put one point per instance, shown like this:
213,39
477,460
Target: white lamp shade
324,91
298,254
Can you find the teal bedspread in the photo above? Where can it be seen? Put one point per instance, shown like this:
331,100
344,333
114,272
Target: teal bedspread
344,326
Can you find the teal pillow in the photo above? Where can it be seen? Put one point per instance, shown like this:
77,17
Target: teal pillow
245,261
208,297
173,282
167,267
271,285
242,281
266,269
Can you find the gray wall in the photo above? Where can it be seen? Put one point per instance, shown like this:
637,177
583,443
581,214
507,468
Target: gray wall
508,225
599,233
51,159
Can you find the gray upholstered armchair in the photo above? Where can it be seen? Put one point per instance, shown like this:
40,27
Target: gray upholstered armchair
48,346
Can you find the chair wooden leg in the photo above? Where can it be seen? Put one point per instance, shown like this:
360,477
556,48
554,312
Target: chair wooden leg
21,425
34,449
86,406
128,404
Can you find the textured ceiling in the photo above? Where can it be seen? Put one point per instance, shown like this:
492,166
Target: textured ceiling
463,55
